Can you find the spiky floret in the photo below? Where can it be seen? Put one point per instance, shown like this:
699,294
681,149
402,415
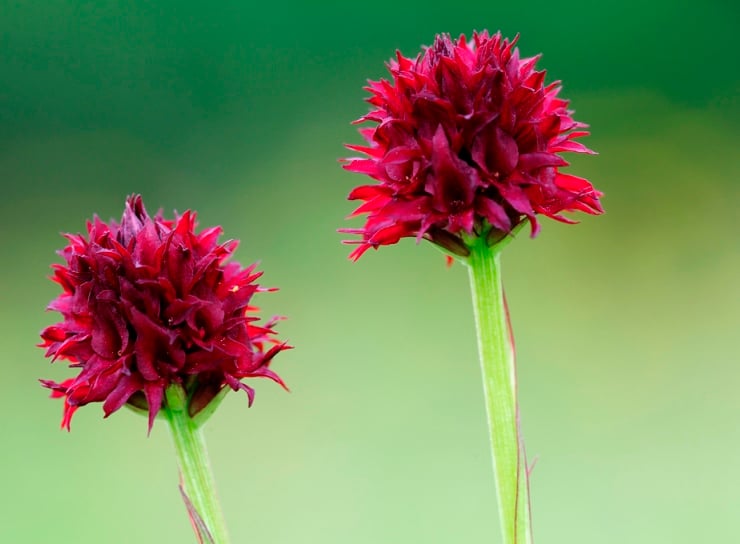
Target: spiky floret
467,139
148,303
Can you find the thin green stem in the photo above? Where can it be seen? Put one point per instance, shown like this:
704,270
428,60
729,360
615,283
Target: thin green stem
198,485
495,345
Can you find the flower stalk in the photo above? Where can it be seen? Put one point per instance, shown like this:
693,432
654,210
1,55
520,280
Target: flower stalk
497,358
197,482
465,148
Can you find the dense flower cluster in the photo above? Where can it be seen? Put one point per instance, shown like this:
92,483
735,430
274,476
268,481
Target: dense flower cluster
466,141
148,303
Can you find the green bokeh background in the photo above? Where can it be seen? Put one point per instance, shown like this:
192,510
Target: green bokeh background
627,324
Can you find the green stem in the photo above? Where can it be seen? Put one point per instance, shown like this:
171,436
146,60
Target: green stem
197,480
495,345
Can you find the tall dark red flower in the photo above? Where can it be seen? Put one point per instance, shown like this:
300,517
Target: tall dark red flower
148,303
467,141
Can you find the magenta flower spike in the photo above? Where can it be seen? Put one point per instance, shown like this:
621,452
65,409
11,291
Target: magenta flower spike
467,136
464,147
156,318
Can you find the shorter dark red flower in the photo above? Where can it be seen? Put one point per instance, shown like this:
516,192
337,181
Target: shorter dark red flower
467,141
148,303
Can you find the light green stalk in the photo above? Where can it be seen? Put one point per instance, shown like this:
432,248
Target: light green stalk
496,349
198,487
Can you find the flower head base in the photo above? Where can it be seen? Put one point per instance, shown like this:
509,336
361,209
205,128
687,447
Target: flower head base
149,303
467,142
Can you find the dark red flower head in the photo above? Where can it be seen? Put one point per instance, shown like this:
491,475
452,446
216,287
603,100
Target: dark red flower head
148,303
467,141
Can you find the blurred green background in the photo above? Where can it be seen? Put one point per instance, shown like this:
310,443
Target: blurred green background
627,325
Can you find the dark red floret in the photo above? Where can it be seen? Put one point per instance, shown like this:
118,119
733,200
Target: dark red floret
467,139
148,303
